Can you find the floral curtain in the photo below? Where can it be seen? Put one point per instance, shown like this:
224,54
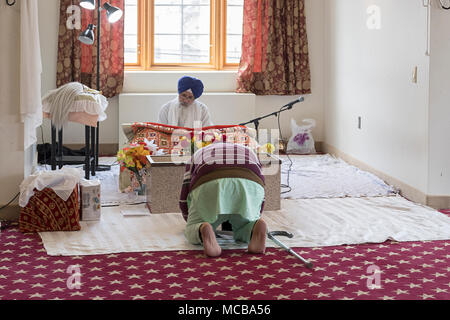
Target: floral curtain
274,58
78,61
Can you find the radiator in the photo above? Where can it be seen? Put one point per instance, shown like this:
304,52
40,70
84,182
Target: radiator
226,108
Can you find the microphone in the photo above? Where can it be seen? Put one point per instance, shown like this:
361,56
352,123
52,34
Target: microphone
290,104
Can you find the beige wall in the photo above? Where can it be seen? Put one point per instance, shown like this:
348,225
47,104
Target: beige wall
11,129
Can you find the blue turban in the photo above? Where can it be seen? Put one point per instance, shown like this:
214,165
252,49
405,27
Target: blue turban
186,83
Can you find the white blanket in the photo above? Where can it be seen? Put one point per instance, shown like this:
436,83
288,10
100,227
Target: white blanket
313,222
61,181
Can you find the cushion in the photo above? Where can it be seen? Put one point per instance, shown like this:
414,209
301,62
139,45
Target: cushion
165,139
161,134
46,211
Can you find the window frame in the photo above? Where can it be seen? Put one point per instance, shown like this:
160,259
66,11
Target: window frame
145,41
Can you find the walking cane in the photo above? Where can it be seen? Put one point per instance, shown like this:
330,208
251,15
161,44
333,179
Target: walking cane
272,235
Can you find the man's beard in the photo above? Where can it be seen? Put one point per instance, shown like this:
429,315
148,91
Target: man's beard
186,104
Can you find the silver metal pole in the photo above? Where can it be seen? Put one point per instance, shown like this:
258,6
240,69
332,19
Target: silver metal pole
272,235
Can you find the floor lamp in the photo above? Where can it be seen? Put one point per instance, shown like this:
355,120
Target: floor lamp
113,14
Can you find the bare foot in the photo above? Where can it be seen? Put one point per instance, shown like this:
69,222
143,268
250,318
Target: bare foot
258,241
210,245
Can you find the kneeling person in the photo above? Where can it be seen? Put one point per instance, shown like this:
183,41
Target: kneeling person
223,183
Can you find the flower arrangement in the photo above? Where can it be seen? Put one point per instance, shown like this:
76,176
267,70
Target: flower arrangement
134,159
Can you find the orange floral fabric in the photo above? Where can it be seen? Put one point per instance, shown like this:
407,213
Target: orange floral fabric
46,211
78,61
160,134
274,58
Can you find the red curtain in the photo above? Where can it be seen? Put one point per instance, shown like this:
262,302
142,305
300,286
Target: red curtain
274,58
78,61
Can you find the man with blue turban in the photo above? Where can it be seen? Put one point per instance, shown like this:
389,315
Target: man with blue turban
184,110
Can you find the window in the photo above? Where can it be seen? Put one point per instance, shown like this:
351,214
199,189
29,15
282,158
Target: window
180,34
131,34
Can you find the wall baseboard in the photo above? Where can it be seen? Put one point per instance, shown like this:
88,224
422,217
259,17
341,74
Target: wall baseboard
318,145
438,202
410,193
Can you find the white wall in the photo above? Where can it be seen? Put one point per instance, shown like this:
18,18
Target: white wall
166,81
368,74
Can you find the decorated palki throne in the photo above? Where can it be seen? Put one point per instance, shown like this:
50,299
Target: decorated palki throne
171,148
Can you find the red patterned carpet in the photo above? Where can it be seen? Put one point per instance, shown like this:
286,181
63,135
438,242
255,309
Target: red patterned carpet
399,271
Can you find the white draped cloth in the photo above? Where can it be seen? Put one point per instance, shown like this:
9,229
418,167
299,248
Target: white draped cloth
174,114
30,71
61,181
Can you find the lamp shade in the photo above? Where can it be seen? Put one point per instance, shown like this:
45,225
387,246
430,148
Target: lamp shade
113,13
88,4
87,36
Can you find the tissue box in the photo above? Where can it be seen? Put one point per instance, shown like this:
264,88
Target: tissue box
90,200
46,211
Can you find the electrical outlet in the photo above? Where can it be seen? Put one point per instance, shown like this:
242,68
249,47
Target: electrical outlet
359,122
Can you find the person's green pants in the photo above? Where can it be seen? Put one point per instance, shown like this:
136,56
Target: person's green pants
236,200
